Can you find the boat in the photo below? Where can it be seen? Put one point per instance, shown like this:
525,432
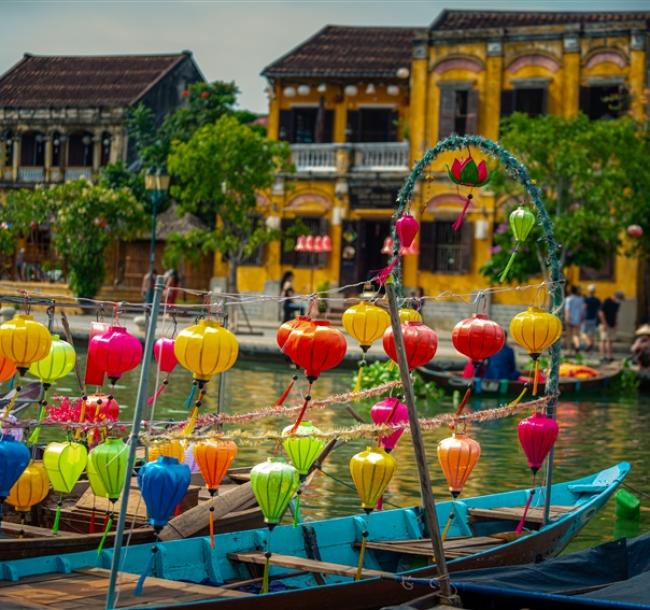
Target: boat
314,564
453,380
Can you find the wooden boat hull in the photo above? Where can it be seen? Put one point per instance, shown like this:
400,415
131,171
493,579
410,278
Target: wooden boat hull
313,564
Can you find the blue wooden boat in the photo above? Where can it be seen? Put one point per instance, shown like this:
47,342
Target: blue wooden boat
313,565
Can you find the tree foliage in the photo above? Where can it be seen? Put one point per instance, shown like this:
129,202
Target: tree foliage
594,182
219,170
84,219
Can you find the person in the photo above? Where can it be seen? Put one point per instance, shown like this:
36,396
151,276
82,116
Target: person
20,265
172,282
608,316
417,299
502,365
641,348
590,323
148,283
574,313
289,306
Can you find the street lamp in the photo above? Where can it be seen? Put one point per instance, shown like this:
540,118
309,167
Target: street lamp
157,183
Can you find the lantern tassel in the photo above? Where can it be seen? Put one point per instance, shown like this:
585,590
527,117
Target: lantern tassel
520,525
519,398
535,378
362,552
380,503
211,526
447,526
190,397
57,518
147,568
280,401
296,510
267,563
36,433
82,417
504,273
10,405
463,403
191,422
459,221
384,273
157,393
109,524
357,385
302,410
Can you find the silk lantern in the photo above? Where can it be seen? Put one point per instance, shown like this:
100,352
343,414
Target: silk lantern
390,411
23,340
172,448
7,369
371,472
407,228
116,352
522,221
14,458
163,484
281,337
458,455
214,459
94,374
365,322
407,314
314,347
466,172
31,488
64,463
163,353
535,330
420,344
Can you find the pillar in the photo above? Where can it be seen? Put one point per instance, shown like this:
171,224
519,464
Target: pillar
340,119
490,108
419,83
97,150
273,126
48,157
637,75
571,76
117,146
17,152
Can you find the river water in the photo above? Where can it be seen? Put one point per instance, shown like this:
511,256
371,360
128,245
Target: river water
595,432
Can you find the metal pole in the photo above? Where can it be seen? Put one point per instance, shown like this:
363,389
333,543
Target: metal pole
133,439
431,518
152,245
222,376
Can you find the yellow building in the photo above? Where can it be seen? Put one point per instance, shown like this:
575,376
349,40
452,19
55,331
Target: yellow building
360,105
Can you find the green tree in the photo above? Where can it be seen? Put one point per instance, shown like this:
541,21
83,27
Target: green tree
84,218
590,173
218,172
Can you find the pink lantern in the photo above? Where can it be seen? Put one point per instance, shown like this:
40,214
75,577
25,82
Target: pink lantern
635,231
117,352
407,228
309,243
300,245
390,411
327,243
163,352
318,244
94,374
537,434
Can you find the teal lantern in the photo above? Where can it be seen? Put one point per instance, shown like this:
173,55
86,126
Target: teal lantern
522,221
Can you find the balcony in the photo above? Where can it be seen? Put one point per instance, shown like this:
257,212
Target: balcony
72,173
344,158
31,174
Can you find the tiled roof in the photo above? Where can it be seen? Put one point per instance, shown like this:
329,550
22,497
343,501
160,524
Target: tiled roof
348,52
476,20
82,81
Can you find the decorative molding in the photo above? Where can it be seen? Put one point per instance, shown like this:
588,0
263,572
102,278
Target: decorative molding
308,199
444,200
601,56
534,59
458,62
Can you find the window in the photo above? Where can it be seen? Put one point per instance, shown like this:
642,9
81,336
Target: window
106,148
458,111
57,145
32,151
306,125
604,101
605,273
532,101
315,226
80,149
443,250
372,125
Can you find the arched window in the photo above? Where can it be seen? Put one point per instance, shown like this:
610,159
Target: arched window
106,148
8,138
57,149
32,149
80,149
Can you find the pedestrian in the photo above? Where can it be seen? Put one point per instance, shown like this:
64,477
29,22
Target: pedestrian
590,323
641,348
289,306
608,316
20,265
574,313
172,282
148,283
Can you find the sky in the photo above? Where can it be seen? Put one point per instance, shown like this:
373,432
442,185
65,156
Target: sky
230,40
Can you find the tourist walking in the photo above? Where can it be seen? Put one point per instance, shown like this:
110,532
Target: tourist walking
590,323
608,316
574,314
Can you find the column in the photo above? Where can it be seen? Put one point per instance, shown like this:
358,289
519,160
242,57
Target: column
47,170
571,75
637,75
117,145
273,126
340,119
97,150
418,110
17,152
490,107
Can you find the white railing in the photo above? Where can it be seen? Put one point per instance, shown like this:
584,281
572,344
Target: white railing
314,157
31,174
72,173
381,156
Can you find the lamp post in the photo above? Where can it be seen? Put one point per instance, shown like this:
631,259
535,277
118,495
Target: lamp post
156,183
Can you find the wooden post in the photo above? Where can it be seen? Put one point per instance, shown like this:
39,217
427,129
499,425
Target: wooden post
431,518
150,337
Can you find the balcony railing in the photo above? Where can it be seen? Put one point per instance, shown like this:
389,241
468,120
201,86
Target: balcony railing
72,173
341,158
31,174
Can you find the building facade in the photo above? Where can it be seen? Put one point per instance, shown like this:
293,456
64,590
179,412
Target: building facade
360,105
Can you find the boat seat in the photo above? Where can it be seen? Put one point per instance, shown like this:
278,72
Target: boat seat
514,513
587,488
454,547
302,563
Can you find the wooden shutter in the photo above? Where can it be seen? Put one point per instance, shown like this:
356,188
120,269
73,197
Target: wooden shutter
447,114
426,259
393,121
286,126
353,126
585,100
328,131
471,122
507,102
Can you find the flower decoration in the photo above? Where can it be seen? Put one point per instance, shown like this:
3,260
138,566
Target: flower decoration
468,173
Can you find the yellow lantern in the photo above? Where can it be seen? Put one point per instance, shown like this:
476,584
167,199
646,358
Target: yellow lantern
406,314
172,448
371,472
366,323
535,330
31,488
205,349
57,364
24,340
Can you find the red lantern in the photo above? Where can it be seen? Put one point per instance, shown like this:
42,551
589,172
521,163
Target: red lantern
327,243
309,243
300,244
318,243
478,337
635,231
100,407
163,352
407,228
288,327
117,352
315,347
420,343
537,434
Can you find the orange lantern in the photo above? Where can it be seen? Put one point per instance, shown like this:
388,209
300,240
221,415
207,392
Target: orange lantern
7,368
458,454
281,337
420,344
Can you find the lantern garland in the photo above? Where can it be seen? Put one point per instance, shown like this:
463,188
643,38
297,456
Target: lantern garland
521,221
466,172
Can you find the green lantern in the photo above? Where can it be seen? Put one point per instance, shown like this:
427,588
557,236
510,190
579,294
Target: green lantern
522,221
302,447
274,482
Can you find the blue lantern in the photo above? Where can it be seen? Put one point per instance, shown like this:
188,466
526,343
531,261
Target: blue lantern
163,485
14,457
